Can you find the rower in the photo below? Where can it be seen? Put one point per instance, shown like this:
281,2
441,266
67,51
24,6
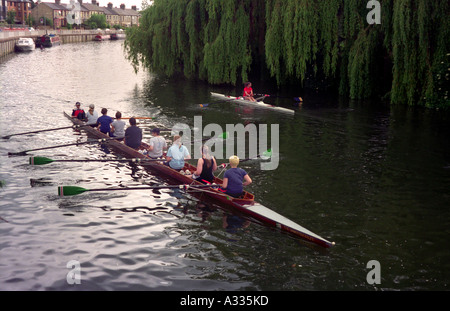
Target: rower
92,116
206,165
104,122
133,135
78,113
156,145
176,154
118,127
235,179
248,92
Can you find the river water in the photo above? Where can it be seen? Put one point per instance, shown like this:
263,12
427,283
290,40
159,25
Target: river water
373,179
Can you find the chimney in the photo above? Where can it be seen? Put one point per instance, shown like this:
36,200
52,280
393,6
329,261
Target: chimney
110,5
122,6
80,1
94,2
58,2
134,7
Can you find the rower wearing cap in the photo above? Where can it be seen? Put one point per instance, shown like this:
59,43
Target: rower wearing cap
78,113
92,116
156,145
235,179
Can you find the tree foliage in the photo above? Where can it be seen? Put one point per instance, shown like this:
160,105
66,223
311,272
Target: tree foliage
97,21
223,41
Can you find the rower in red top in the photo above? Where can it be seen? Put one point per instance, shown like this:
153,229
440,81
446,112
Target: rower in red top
78,113
248,92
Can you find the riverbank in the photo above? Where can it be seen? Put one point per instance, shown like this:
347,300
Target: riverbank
8,39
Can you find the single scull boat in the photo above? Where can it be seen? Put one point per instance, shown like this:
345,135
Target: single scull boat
259,104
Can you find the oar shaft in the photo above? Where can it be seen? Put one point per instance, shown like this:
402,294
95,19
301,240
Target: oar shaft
74,190
44,160
139,118
267,153
297,99
60,146
218,102
45,130
97,160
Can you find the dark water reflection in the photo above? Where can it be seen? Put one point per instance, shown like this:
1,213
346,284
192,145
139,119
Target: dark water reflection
371,178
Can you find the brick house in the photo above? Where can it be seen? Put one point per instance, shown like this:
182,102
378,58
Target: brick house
22,8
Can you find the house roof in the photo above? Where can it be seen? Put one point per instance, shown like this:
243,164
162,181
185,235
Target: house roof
132,12
109,11
92,7
54,6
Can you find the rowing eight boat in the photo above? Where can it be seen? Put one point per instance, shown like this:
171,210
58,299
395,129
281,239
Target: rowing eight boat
259,104
244,205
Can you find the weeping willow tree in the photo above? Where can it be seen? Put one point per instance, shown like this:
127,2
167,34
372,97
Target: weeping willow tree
420,48
208,39
223,41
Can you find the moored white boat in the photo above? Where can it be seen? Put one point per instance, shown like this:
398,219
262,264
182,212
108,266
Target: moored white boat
259,104
25,45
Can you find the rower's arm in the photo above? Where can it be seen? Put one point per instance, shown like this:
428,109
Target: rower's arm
247,180
225,183
199,170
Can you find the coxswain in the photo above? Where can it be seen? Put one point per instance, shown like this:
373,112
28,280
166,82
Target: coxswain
235,179
248,92
78,113
133,135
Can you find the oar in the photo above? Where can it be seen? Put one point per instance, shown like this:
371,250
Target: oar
60,146
44,160
267,154
297,99
46,130
227,100
224,135
74,190
218,102
140,118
